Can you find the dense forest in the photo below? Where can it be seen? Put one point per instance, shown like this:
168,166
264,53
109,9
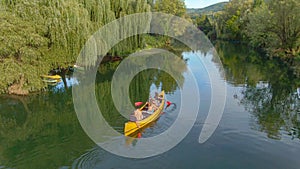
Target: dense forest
271,26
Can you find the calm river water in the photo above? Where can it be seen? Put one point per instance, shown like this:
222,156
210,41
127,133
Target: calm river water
259,127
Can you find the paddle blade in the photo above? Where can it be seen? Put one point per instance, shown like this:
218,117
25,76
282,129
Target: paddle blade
138,104
168,103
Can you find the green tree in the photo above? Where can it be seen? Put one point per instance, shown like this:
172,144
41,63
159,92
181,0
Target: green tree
174,7
21,53
205,25
170,24
39,35
233,20
275,26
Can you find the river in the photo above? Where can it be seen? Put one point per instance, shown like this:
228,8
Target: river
259,127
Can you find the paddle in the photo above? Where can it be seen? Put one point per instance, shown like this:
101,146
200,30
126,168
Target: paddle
168,103
138,104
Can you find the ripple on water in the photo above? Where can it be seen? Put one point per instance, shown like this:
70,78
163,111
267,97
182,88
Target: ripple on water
89,159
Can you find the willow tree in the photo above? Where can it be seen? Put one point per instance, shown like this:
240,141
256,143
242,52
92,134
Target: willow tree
68,24
127,7
55,31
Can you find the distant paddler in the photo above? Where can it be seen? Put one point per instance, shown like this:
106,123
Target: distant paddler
77,67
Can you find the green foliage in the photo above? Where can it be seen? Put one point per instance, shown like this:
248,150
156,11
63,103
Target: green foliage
234,19
257,32
168,24
21,50
154,41
204,24
276,27
39,35
273,26
227,23
174,7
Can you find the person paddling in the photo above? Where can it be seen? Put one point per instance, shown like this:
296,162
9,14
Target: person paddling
139,116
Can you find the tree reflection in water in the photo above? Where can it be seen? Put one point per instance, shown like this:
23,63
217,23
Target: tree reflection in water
42,131
269,91
139,88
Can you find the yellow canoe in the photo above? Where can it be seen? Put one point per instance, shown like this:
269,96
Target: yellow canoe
131,127
51,76
134,137
51,80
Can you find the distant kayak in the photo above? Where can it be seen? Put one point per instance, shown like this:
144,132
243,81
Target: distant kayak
51,77
51,80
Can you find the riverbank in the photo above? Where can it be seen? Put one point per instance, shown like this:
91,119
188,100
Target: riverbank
263,25
29,80
25,85
32,43
22,76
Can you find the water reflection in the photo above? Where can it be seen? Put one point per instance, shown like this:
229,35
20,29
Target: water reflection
143,84
275,111
268,92
42,131
133,139
38,128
